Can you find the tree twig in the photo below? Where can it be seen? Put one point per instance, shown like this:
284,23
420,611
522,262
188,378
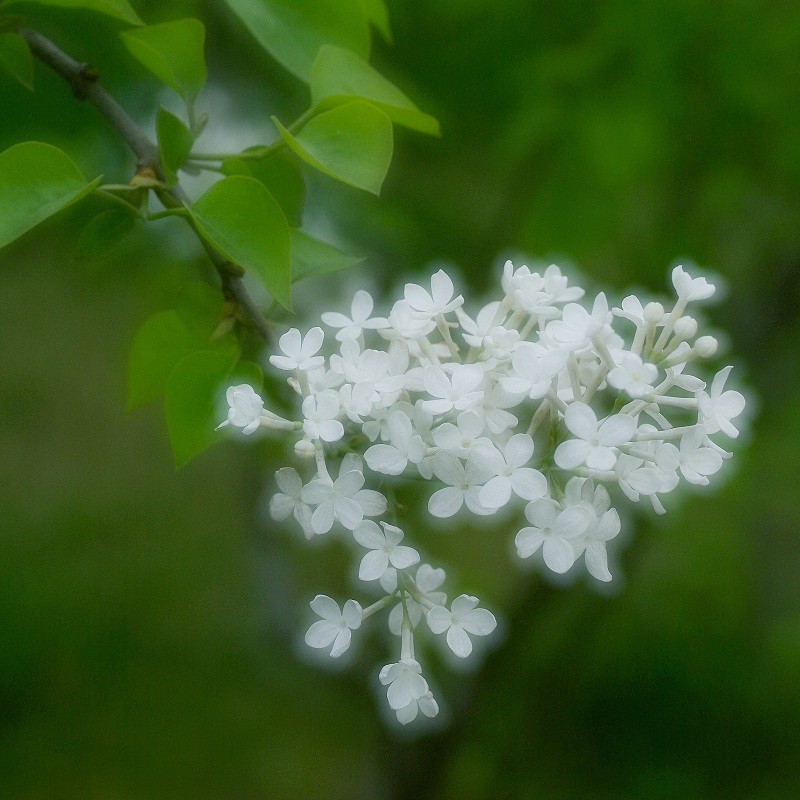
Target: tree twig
85,86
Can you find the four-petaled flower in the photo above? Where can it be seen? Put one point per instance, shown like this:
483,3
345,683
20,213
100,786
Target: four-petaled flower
335,625
553,530
289,501
384,549
246,408
462,619
353,326
299,353
405,682
595,443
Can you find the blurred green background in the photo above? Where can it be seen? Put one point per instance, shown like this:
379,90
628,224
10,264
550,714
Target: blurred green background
150,619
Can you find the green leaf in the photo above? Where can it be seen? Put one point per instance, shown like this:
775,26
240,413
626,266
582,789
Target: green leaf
104,234
292,31
377,13
36,181
311,256
173,52
175,142
161,342
338,74
15,58
281,174
247,372
169,336
352,143
200,309
240,218
119,9
194,398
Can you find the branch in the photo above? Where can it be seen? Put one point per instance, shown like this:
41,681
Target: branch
84,82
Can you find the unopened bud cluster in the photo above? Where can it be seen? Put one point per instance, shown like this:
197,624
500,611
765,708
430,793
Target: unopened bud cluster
534,400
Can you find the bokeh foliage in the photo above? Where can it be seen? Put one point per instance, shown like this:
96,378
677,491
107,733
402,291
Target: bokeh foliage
149,617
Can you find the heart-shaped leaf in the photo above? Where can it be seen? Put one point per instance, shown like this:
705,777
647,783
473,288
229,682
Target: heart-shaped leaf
36,181
338,74
173,52
352,143
240,218
194,398
281,174
292,32
311,256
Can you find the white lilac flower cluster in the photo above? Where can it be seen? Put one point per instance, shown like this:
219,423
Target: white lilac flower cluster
534,400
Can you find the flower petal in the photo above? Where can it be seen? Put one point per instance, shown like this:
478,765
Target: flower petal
445,502
369,535
322,633
479,622
558,554
373,565
402,557
459,642
326,607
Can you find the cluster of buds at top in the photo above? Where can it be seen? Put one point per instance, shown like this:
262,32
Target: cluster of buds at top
534,400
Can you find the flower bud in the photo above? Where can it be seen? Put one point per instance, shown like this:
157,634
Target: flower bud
304,449
653,313
706,346
685,328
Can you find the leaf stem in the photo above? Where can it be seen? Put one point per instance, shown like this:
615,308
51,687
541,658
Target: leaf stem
85,86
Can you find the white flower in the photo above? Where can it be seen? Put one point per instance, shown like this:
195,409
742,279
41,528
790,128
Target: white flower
426,704
555,284
593,544
321,412
577,326
604,525
404,324
553,530
404,445
459,392
532,297
492,409
335,625
511,474
633,376
594,444
299,353
459,439
474,331
427,581
353,326
357,400
694,459
718,408
343,499
439,301
533,370
635,479
289,501
462,619
631,309
246,408
405,682
384,549
688,288
464,485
